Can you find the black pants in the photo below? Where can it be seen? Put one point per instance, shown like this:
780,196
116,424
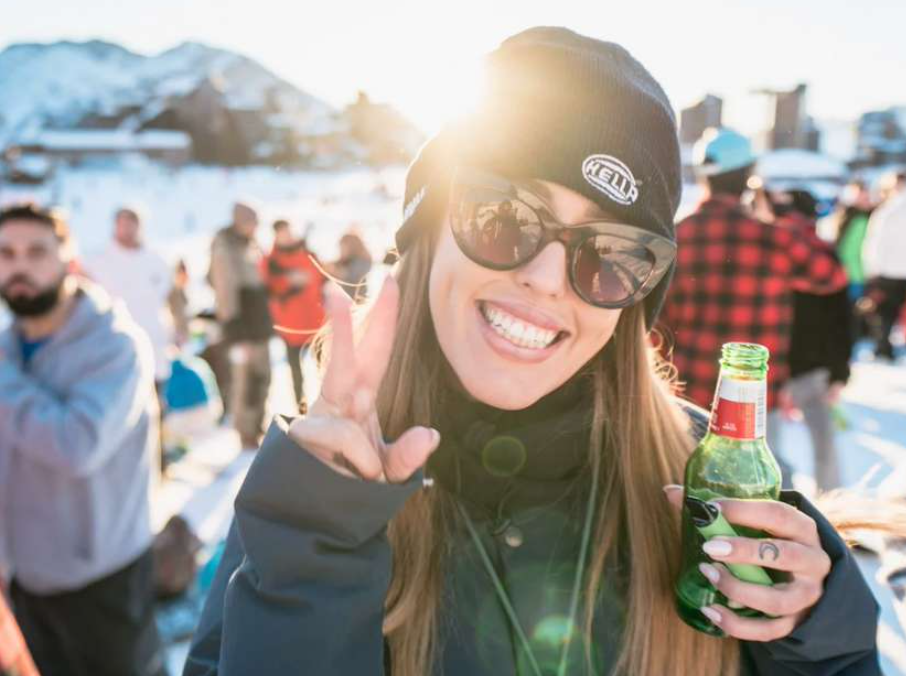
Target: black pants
294,354
104,629
891,297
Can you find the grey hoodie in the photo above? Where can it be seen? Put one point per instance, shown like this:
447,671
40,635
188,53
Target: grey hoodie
77,427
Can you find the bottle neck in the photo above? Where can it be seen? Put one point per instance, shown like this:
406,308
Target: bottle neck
739,410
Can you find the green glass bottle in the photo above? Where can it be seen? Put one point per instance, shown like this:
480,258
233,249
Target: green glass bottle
732,461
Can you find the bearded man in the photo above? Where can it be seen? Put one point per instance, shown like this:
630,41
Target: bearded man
77,428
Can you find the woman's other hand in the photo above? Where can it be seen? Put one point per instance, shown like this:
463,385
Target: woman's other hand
793,546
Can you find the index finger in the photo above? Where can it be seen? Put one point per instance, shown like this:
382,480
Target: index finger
376,344
339,376
777,518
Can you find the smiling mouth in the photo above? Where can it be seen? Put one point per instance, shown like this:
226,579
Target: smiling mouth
518,331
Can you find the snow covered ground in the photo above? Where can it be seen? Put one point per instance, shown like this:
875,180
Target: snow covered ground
873,458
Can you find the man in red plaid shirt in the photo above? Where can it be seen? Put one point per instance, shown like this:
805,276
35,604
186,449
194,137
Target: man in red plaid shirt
735,277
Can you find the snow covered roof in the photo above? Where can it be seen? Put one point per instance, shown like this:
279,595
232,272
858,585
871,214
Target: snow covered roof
113,140
795,164
33,164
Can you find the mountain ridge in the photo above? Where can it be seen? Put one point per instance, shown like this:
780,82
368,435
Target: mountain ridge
59,83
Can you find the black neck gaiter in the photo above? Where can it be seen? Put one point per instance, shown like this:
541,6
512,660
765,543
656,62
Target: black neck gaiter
498,462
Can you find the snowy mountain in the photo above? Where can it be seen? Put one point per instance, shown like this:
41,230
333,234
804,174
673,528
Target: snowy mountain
59,84
229,109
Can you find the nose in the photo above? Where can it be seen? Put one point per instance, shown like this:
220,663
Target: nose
546,272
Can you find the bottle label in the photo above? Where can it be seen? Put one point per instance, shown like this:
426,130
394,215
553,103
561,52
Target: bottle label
740,408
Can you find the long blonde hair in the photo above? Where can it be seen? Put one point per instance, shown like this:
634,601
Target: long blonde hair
638,442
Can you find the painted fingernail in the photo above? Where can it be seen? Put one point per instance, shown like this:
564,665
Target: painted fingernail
669,488
712,615
709,572
717,548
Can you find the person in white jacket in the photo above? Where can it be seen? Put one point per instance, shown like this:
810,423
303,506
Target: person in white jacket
885,265
130,270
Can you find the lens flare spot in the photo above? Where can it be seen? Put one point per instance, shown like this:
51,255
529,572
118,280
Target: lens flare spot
503,456
552,631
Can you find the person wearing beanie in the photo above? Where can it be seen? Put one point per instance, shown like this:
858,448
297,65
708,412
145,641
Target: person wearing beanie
735,280
486,484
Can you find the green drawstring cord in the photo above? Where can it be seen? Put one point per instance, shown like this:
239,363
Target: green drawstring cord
580,565
501,593
577,583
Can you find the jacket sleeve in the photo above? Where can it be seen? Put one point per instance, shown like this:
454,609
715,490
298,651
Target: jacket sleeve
76,431
163,280
816,268
275,278
871,247
302,584
222,277
839,636
204,655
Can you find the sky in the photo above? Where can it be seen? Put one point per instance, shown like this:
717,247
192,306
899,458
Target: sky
424,56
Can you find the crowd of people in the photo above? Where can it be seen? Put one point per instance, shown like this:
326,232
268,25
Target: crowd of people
91,365
96,365
751,267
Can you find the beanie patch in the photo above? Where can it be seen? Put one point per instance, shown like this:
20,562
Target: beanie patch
612,177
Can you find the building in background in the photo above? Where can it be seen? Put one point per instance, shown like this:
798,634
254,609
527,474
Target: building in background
694,120
381,129
790,125
80,146
881,138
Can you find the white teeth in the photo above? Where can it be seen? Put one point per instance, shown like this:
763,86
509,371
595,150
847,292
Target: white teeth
516,331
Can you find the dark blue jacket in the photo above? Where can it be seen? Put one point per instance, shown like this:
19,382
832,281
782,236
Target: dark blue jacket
302,585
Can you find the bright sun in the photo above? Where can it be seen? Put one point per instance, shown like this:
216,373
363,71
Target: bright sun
444,95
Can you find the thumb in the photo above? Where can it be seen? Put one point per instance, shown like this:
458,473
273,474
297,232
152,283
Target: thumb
404,456
674,494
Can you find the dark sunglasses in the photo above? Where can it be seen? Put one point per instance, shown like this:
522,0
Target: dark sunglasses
501,225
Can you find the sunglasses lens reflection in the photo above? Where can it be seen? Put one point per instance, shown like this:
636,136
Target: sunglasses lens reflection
497,231
611,269
497,228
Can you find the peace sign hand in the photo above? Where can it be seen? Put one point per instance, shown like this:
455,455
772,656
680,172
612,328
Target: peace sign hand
342,429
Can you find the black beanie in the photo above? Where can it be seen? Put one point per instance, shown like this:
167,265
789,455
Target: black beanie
572,110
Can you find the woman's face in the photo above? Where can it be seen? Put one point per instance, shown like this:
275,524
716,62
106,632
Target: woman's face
514,336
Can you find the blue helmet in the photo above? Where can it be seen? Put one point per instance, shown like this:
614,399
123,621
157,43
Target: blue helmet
721,150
